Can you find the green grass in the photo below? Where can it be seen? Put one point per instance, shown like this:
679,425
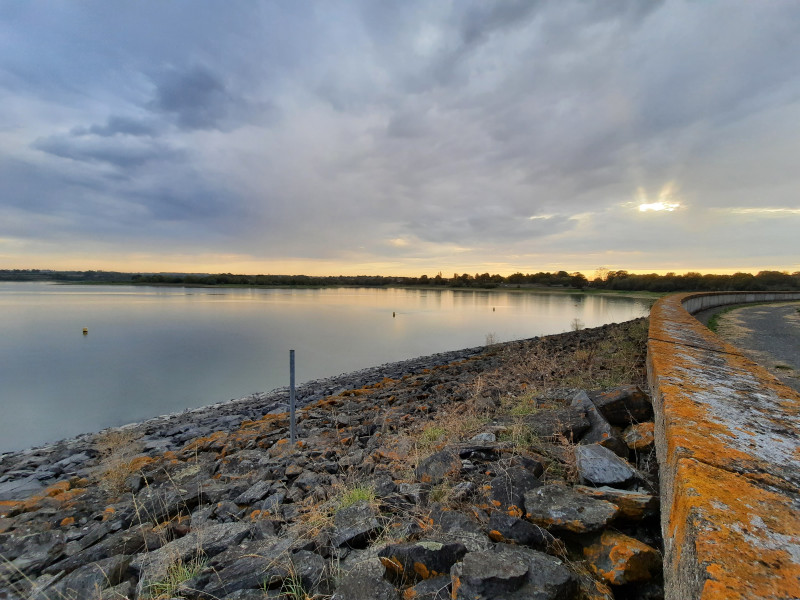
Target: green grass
177,573
431,435
524,406
352,495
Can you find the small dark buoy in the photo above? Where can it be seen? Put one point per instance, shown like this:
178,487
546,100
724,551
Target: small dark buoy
85,331
393,314
493,309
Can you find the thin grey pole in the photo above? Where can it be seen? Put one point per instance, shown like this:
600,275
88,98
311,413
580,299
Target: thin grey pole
291,395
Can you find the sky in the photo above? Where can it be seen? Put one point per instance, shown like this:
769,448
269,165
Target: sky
400,138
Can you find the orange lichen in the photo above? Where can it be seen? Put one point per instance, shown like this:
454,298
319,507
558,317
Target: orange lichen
456,584
392,564
67,521
496,536
212,443
737,529
57,488
620,559
8,507
731,501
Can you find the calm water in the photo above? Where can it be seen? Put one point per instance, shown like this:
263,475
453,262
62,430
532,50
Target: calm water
151,351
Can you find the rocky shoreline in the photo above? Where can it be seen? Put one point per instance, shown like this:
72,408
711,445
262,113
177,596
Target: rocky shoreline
486,472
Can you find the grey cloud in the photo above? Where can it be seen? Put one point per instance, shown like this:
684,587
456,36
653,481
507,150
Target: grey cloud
124,154
197,98
117,125
491,225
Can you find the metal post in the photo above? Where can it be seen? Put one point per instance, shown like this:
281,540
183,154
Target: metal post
291,396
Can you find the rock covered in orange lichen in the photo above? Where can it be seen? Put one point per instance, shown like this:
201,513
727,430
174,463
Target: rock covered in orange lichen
640,435
620,559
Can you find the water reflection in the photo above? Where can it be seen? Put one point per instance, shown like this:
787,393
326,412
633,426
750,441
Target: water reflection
151,351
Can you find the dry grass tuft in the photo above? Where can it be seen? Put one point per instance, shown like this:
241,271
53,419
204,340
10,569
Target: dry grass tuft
117,449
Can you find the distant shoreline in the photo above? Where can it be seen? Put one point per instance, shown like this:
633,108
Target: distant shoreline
516,289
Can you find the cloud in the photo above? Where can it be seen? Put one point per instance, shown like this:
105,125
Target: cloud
118,125
123,153
196,97
310,131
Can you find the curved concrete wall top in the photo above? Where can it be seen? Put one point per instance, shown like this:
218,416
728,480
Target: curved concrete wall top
728,443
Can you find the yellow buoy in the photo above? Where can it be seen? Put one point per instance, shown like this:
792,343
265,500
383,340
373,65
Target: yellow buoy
85,331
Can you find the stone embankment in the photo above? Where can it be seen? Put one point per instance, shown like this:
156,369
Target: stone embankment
728,441
479,476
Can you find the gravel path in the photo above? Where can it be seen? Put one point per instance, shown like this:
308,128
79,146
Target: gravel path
769,334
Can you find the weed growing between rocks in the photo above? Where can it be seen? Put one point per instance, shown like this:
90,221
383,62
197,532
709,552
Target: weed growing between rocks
177,573
117,449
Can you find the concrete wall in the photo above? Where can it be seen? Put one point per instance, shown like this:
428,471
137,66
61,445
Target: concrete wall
728,443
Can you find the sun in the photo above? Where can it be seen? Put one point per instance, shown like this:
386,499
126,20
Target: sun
665,202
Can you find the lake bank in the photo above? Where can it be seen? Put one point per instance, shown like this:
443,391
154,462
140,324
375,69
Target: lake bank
237,479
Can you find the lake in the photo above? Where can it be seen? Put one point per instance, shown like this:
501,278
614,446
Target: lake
156,350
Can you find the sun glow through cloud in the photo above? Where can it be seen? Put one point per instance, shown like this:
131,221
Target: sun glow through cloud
659,206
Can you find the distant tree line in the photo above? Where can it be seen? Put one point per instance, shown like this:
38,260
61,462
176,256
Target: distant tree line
604,280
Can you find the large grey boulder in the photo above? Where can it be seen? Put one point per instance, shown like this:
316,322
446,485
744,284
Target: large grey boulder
421,560
598,465
559,508
366,580
153,567
507,490
624,405
89,580
512,573
438,466
503,527
600,430
355,525
259,564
